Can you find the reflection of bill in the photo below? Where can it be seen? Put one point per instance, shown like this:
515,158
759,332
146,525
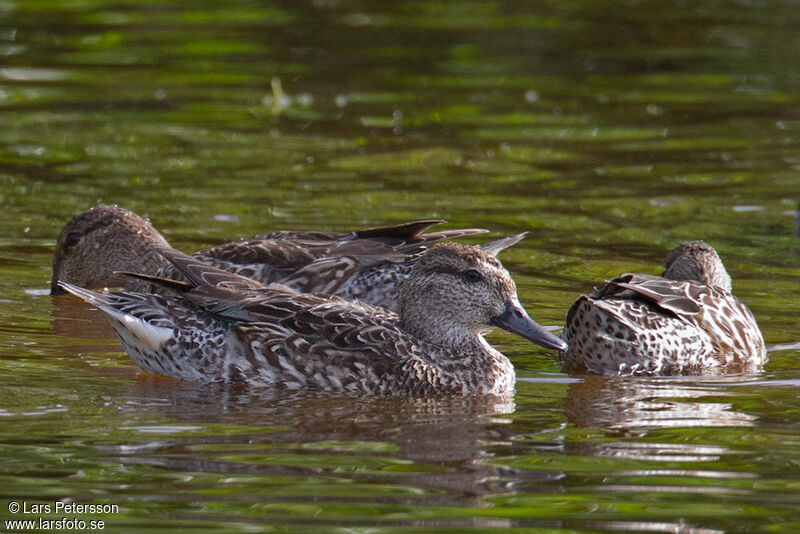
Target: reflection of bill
631,404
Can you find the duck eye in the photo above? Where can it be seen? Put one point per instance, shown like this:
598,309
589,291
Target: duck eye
473,275
73,239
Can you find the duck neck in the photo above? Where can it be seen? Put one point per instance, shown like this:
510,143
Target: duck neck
442,332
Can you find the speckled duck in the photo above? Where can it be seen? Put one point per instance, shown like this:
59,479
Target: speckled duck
686,322
367,264
218,326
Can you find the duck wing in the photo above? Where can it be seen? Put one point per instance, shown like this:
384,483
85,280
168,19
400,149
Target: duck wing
299,339
408,238
265,260
681,298
400,232
232,297
729,323
275,256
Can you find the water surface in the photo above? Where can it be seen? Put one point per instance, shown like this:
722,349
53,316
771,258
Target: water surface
611,131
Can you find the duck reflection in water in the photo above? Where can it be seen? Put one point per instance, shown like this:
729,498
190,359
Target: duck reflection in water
630,406
445,446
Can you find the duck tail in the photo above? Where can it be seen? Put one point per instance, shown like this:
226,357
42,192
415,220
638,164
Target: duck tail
99,300
411,234
410,230
175,285
499,245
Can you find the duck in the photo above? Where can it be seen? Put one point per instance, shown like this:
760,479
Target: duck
216,326
366,264
685,322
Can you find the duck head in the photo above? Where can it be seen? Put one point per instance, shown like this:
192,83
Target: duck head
469,292
102,240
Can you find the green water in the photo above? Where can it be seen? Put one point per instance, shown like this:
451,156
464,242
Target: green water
611,131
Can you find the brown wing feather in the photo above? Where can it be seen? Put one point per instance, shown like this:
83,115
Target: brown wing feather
201,274
279,254
175,285
276,254
405,231
681,298
327,275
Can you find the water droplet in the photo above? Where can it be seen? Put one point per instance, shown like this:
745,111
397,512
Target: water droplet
531,96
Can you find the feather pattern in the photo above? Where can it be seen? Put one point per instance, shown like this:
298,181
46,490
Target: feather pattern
239,330
99,244
369,279
650,325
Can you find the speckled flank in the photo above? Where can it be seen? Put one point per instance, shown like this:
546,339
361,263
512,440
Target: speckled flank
689,324
379,285
222,330
157,340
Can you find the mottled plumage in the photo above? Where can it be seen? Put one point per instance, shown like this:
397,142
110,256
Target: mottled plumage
218,326
367,264
686,322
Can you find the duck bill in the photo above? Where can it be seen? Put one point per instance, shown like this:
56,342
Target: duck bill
55,289
516,320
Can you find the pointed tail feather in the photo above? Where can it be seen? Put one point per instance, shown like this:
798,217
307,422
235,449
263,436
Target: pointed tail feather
143,326
200,274
497,246
412,234
410,230
96,299
175,285
433,237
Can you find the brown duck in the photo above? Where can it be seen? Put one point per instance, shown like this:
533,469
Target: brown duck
218,326
367,265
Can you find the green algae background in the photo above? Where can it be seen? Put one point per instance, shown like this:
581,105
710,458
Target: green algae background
610,131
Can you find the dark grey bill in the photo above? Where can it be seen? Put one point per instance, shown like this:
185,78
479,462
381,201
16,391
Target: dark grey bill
517,321
55,289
